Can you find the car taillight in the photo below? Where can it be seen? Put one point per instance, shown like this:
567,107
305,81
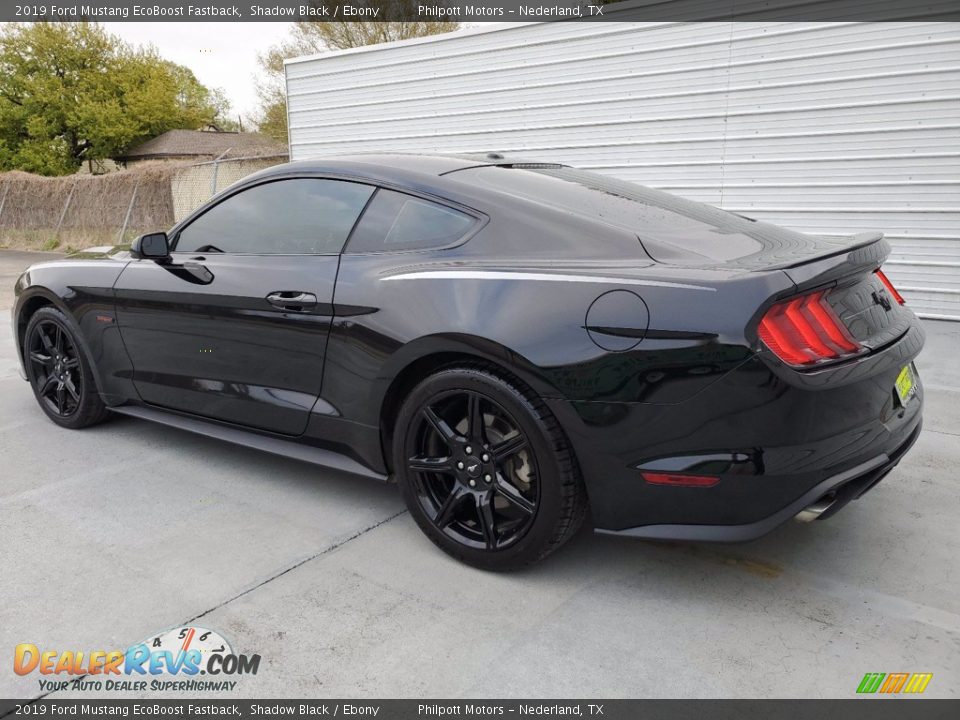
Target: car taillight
889,285
805,330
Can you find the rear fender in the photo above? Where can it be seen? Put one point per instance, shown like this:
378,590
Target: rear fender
460,345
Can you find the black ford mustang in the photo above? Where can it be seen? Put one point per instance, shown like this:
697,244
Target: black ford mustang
512,342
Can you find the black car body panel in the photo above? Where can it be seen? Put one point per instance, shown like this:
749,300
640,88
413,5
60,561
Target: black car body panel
638,327
220,349
82,287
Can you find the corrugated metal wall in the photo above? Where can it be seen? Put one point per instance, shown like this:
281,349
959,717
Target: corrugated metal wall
830,128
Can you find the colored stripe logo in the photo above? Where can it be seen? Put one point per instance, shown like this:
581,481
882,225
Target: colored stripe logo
893,683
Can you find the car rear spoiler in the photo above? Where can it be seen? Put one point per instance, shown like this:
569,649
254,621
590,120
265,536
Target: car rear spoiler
865,253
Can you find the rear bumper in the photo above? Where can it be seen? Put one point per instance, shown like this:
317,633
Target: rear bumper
827,497
777,448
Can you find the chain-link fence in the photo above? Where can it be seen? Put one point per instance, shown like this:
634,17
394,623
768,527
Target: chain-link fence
194,185
78,211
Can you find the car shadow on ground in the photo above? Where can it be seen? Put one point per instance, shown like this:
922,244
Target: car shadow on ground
852,535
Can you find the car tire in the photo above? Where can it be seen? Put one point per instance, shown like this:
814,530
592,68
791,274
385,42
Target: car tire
485,469
59,372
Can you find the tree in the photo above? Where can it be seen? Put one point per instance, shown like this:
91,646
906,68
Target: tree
309,37
71,92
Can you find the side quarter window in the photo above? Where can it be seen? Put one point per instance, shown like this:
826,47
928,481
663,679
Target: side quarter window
397,221
302,216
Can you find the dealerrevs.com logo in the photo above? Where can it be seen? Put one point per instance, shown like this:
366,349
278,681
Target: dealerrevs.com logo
172,660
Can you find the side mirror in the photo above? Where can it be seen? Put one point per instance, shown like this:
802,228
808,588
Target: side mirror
152,246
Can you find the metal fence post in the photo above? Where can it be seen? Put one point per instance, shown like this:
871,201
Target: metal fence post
216,170
126,218
66,206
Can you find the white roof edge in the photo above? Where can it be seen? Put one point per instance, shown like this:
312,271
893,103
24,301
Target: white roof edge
487,27
465,32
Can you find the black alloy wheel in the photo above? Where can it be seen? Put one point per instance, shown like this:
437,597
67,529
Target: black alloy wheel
56,367
476,474
58,371
485,470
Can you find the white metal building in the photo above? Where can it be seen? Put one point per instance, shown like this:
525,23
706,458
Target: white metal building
829,128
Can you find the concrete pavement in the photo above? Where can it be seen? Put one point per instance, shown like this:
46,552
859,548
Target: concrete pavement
112,534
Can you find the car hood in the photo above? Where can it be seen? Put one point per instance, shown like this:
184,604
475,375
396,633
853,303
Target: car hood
120,253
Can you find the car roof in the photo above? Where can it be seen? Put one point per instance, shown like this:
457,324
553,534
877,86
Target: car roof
428,173
425,163
380,164
436,175
415,172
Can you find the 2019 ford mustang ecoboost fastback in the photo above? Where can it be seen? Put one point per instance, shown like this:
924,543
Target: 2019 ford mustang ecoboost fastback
513,342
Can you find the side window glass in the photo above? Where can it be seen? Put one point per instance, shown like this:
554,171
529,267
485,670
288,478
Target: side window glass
287,217
396,221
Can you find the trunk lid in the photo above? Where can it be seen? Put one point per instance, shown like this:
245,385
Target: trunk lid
856,293
700,236
839,307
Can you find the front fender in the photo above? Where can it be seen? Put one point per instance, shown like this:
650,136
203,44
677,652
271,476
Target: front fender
82,289
28,298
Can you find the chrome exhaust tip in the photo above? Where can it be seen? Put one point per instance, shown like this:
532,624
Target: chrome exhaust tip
813,512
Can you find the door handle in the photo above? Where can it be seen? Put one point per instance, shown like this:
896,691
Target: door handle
292,299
